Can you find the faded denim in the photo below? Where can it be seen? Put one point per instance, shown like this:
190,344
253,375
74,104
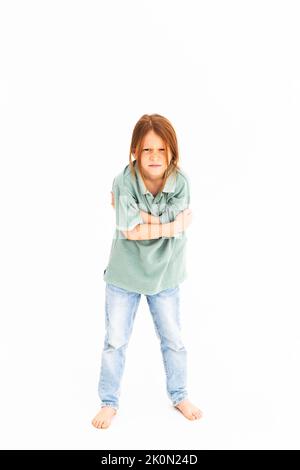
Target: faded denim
120,309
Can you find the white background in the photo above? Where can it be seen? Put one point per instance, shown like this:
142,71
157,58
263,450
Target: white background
75,77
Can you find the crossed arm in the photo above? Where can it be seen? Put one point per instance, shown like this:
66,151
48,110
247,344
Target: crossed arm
153,228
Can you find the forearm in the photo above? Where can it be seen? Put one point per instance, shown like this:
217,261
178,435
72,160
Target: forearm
169,215
152,231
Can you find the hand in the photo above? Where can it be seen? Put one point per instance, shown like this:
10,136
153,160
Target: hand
183,220
145,217
149,218
112,199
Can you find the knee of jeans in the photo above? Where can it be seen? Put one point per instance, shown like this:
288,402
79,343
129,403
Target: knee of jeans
114,341
174,343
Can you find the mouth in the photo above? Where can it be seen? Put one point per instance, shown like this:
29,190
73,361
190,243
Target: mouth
155,166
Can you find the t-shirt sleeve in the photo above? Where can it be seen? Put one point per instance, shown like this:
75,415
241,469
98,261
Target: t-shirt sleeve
126,207
179,201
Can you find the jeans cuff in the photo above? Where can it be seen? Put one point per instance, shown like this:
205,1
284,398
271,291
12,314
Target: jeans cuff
178,400
109,404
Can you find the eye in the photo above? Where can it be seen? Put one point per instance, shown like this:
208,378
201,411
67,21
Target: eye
146,149
162,149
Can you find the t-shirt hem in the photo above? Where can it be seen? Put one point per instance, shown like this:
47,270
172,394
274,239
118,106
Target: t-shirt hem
124,286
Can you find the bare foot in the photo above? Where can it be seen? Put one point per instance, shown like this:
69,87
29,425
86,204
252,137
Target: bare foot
189,410
104,417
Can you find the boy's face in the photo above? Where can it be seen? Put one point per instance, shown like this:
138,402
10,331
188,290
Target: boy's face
155,157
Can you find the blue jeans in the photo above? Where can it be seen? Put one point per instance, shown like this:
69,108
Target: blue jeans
120,309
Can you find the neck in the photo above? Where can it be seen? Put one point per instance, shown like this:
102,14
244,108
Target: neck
157,180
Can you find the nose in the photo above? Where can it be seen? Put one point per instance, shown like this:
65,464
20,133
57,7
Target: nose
154,156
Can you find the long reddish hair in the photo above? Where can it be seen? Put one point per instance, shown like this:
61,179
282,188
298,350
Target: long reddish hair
162,127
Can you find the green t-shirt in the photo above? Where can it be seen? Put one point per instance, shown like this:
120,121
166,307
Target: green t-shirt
147,266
